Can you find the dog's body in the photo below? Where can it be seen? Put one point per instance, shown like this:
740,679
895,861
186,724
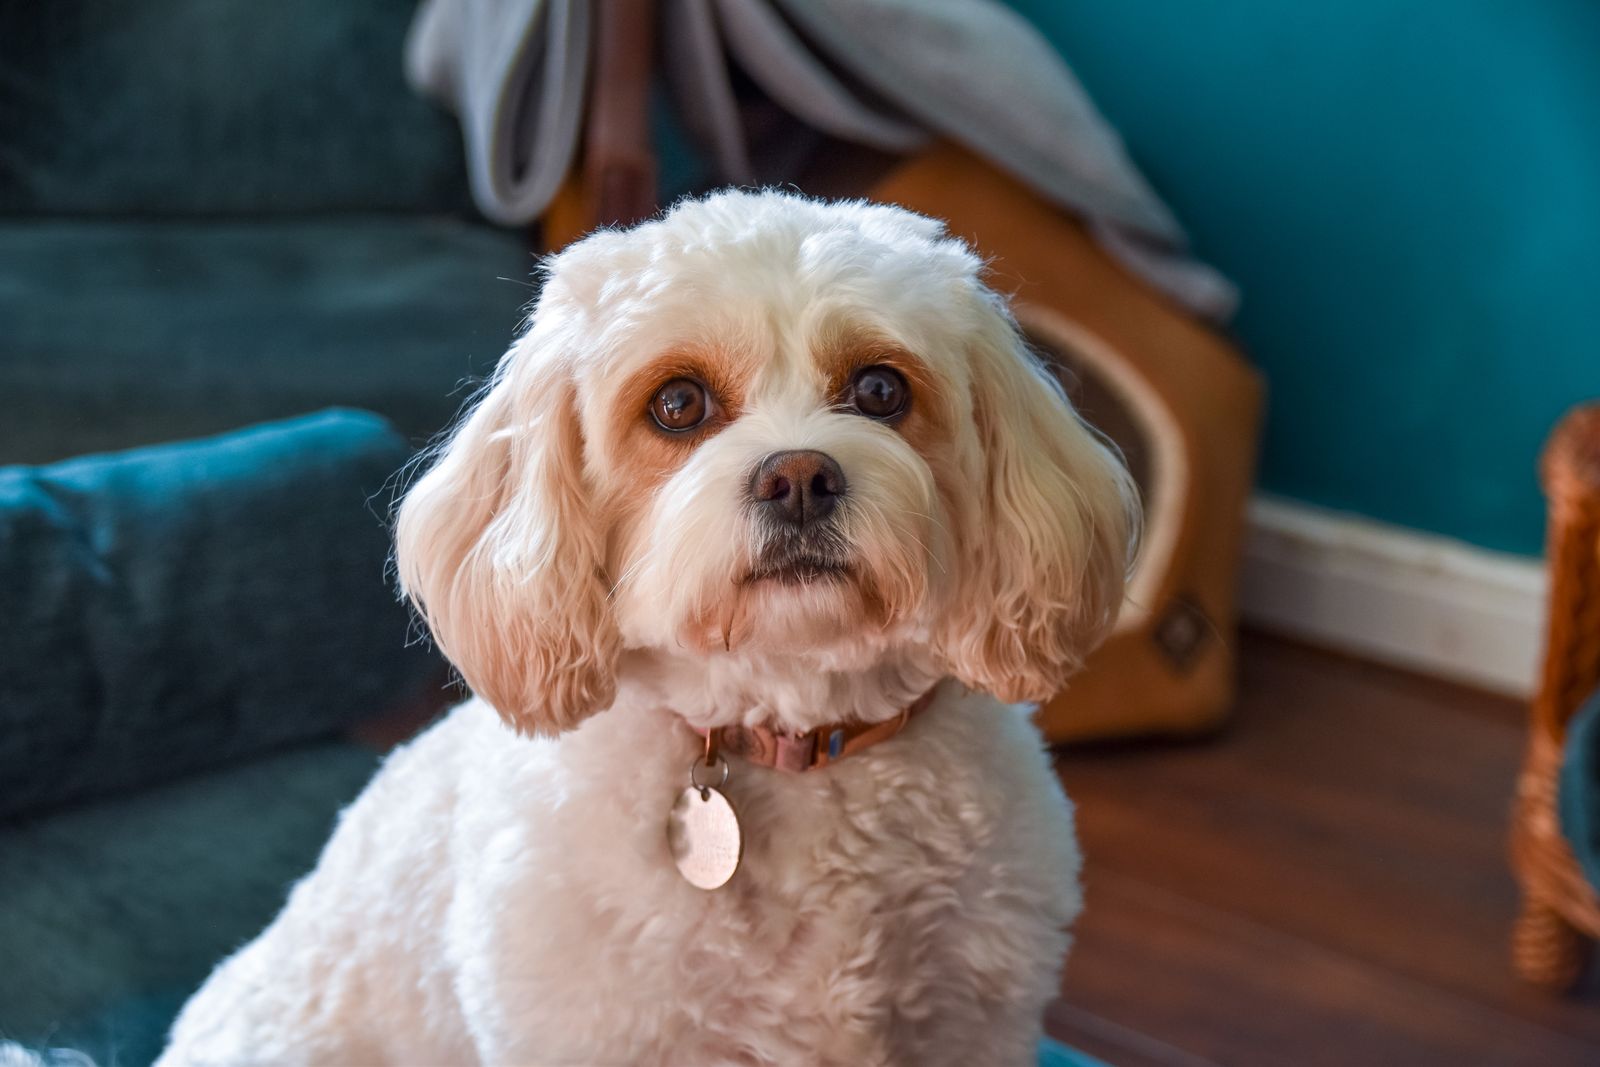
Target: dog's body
765,462
503,901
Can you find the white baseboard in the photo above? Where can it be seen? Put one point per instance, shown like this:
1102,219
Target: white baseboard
1411,599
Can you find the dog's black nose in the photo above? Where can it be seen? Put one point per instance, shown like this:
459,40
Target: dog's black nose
799,488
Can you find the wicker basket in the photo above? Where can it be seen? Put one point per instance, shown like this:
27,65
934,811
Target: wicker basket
1560,917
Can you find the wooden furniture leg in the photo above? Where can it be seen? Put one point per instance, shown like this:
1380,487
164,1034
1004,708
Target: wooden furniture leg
1552,940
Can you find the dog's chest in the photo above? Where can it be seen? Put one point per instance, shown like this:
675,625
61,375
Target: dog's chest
846,879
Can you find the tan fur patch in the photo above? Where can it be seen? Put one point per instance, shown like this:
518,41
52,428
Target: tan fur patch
645,456
848,351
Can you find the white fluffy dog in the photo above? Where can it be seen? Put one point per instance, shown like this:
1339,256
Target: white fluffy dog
765,468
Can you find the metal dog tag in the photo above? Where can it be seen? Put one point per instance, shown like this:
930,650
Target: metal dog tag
703,834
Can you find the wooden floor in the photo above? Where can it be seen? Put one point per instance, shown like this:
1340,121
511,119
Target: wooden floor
1325,883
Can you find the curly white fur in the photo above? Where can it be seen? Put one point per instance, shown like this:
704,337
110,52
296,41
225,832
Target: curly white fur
505,895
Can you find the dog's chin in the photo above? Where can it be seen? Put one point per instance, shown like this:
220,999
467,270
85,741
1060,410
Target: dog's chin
799,601
798,613
795,605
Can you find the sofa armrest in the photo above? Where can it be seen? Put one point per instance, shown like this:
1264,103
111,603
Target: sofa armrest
169,608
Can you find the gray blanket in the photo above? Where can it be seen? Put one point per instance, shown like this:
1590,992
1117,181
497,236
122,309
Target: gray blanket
886,73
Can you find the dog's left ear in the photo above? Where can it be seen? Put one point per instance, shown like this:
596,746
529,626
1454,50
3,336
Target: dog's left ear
498,548
1049,542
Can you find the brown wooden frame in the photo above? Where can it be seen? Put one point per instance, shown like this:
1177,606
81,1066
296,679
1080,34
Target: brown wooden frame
1560,919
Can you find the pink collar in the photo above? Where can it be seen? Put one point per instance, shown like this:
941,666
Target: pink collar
811,750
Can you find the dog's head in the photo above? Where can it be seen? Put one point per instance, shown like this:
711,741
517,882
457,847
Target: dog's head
764,424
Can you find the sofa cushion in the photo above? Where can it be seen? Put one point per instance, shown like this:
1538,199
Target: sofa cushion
112,914
170,607
217,106
115,334
1579,792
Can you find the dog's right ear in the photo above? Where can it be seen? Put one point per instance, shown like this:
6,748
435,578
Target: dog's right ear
498,548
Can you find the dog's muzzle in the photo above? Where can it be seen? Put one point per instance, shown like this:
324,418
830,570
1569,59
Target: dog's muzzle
796,497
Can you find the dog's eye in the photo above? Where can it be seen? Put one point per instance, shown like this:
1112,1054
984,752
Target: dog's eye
879,392
680,405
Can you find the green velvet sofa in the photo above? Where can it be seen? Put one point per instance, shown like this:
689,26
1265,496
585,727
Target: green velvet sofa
213,213
218,212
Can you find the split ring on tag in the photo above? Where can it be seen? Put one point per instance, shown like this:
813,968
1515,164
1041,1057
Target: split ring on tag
703,829
694,774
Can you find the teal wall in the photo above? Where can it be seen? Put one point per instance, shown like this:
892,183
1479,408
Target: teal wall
1408,194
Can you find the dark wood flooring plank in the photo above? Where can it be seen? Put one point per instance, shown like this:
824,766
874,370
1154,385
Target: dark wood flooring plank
1237,993
1352,813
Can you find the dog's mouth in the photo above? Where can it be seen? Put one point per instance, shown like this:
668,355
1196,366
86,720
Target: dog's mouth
800,558
804,570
